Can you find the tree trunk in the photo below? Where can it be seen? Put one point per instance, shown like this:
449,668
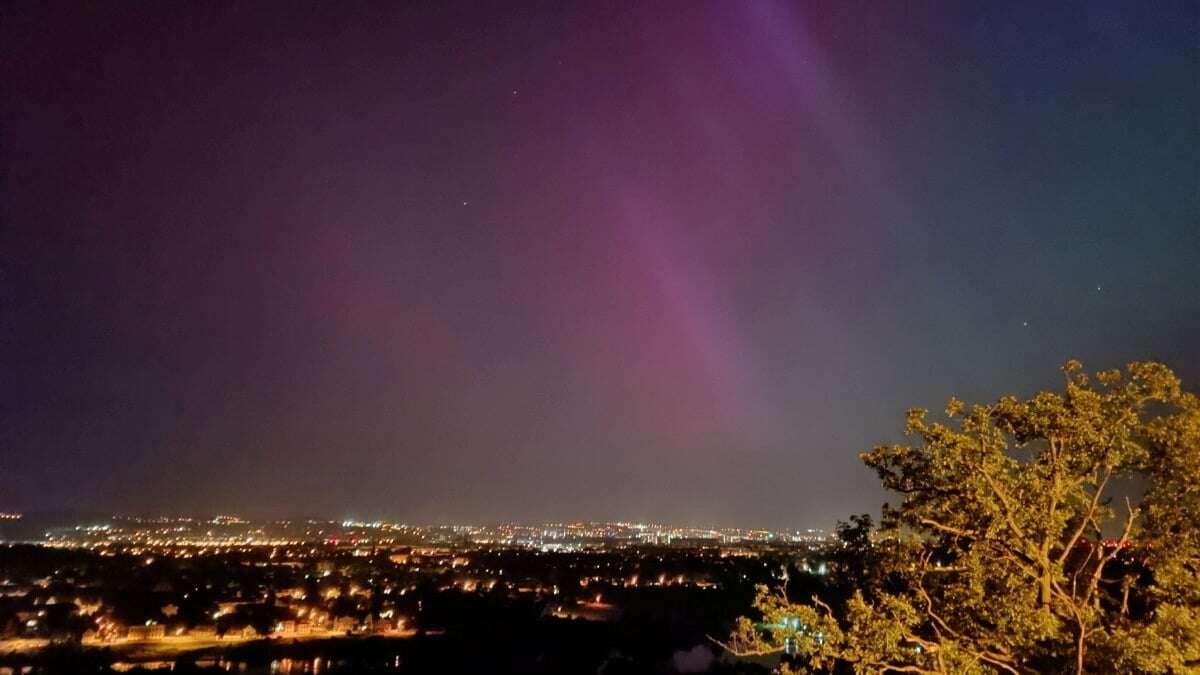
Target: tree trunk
1079,650
1045,590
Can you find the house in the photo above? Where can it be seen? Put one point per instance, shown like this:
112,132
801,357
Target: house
294,592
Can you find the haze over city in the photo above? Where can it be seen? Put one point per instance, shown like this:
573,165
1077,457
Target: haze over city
678,262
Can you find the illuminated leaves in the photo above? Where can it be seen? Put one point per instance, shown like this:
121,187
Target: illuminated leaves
1052,533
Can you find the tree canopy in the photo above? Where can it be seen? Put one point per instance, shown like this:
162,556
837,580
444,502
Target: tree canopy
1056,533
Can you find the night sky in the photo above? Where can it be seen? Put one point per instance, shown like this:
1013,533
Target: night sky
434,261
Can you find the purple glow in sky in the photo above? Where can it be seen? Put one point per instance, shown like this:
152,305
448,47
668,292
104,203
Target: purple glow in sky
674,261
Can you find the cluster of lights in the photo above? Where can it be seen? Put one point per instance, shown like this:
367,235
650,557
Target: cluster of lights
196,537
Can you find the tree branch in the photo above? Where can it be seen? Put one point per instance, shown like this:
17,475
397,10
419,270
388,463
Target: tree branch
762,651
1070,545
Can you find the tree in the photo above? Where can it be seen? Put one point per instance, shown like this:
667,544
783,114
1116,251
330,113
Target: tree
855,562
1057,533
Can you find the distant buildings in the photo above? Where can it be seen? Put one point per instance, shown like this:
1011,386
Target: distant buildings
226,579
229,533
